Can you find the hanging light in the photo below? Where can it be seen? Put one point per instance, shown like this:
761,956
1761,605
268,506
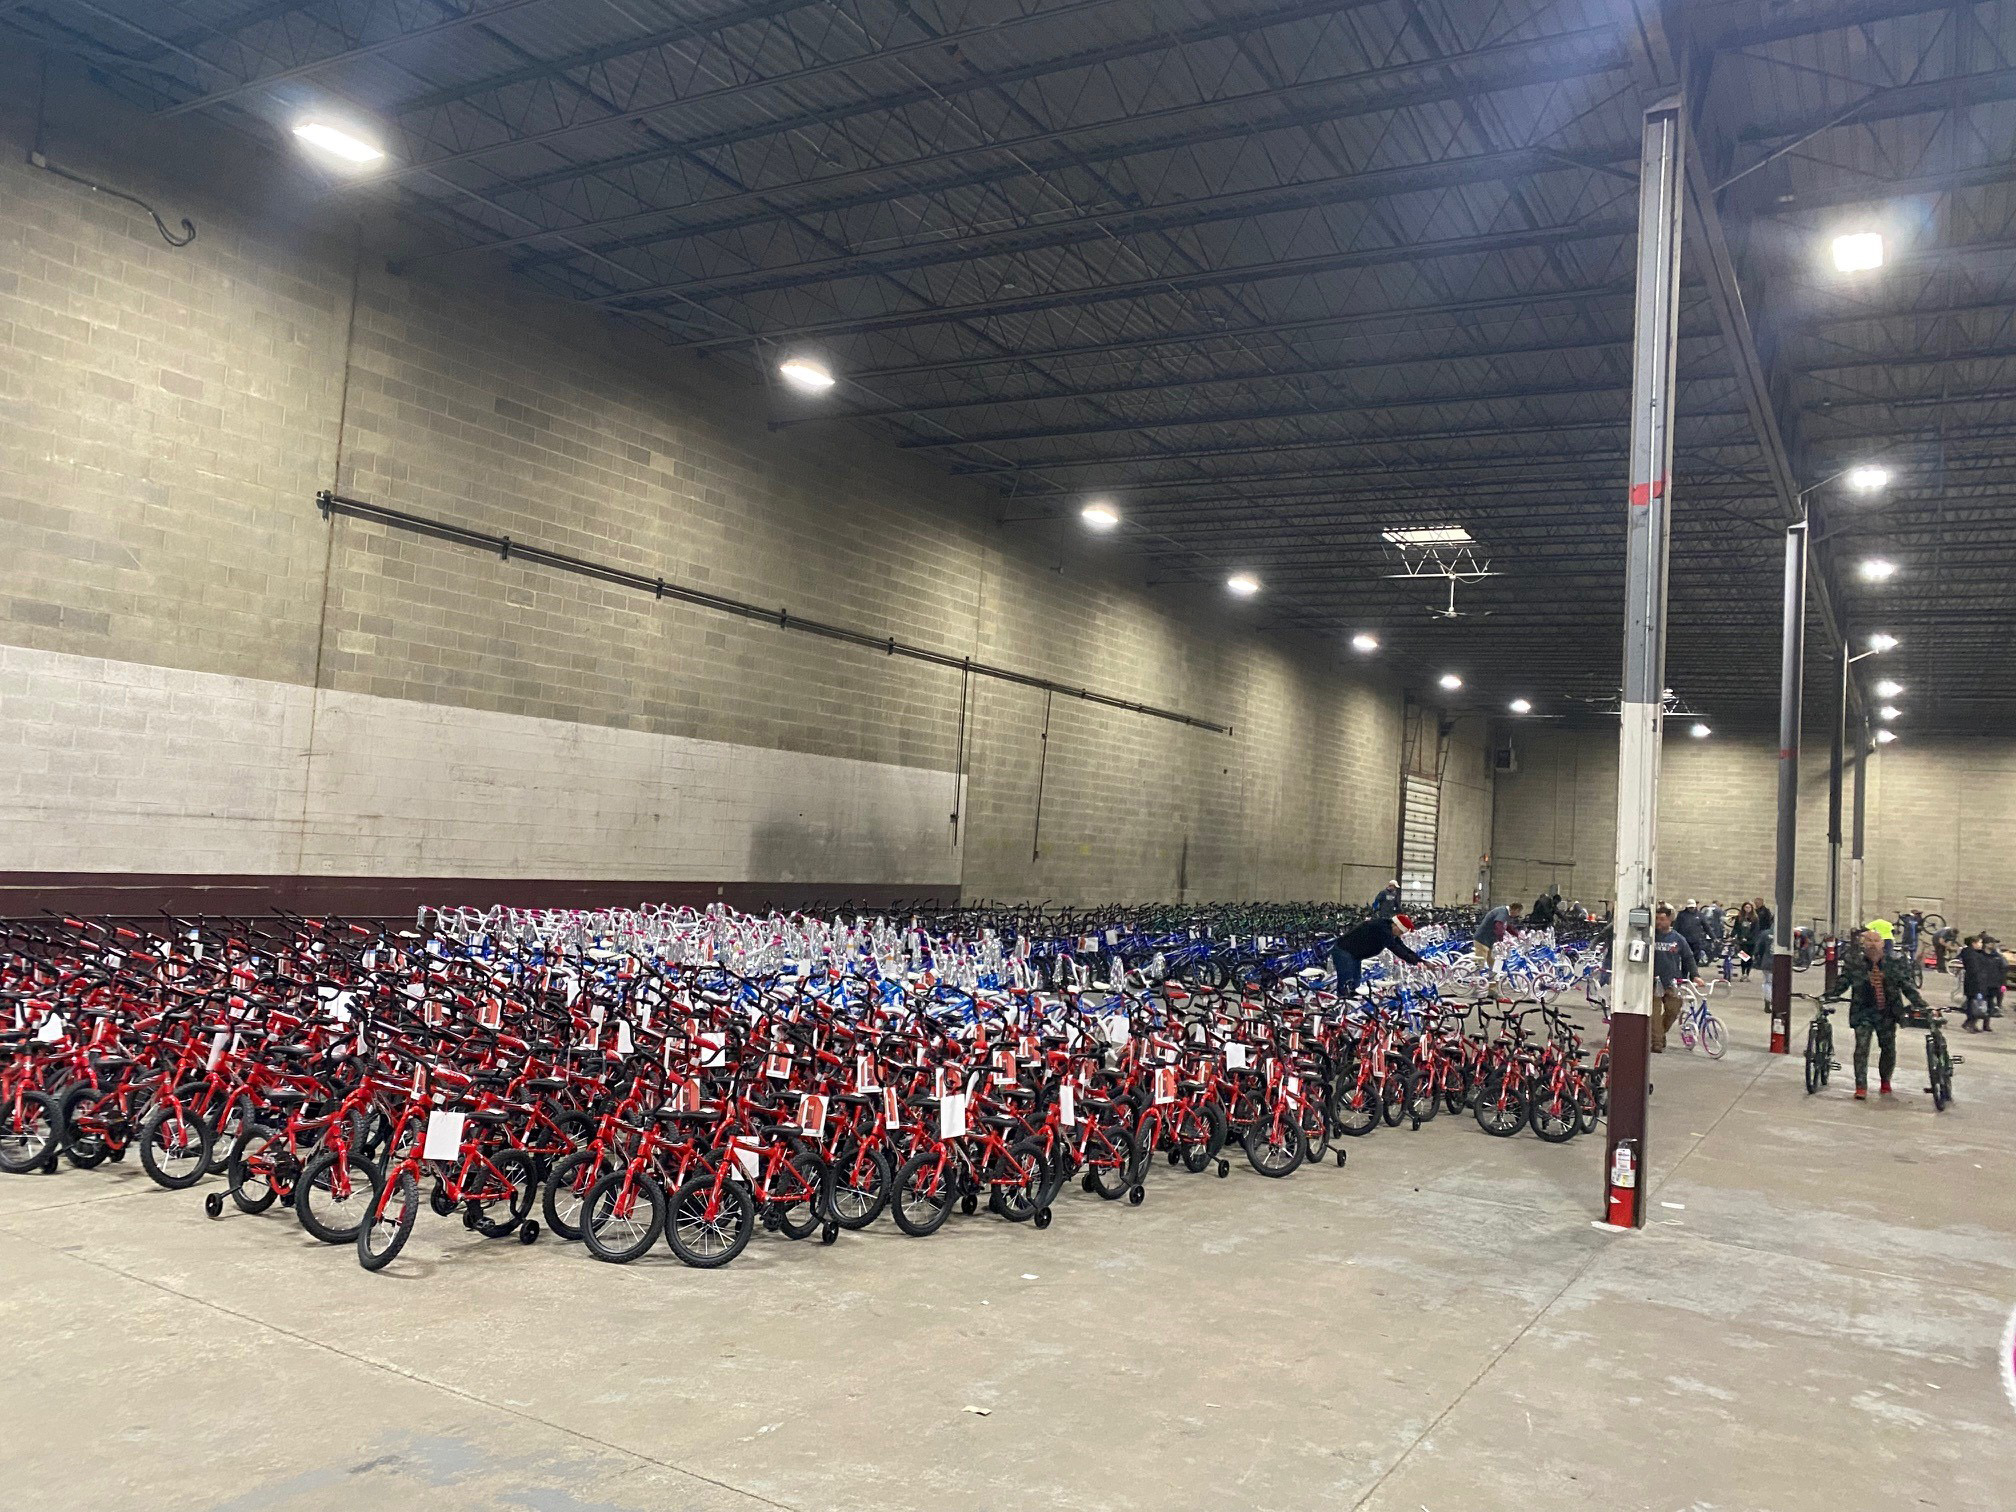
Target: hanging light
1244,584
1100,514
1365,641
808,375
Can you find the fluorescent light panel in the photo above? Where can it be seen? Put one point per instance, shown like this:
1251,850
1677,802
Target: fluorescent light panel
337,142
1430,535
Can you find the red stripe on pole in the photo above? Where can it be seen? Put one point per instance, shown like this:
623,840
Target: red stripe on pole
1644,493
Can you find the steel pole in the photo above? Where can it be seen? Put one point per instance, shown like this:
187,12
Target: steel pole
1647,515
1791,688
1855,919
1834,819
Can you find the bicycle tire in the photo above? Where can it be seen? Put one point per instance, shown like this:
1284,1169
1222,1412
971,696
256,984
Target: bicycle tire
187,1140
1501,1107
861,1178
388,1221
617,1236
1553,1116
564,1189
730,1200
1273,1154
1111,1172
1815,1059
315,1194
1396,1095
1314,1118
33,1132
1019,1193
84,1150
1355,1109
801,1219
521,1176
249,1169
921,1197
1714,1038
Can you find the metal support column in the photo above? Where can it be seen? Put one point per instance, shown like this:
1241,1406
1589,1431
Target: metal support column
1855,916
1834,818
1791,688
1647,529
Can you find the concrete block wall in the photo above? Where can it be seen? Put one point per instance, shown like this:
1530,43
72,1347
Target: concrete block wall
1468,799
1940,823
346,699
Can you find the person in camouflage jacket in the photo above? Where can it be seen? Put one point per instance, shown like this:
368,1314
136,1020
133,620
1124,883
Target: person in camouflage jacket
1877,988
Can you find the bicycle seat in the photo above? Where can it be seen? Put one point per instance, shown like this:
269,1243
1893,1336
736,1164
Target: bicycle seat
1190,1086
489,1116
283,1097
856,1099
1000,1121
670,1114
546,1084
111,1063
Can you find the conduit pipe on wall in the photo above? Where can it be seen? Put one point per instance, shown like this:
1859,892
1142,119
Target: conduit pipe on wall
506,549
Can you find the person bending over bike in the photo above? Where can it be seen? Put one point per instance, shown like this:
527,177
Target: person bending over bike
1357,946
1493,927
1672,959
1880,985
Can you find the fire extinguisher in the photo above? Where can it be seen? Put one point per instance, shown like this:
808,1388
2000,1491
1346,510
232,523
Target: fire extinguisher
1623,1205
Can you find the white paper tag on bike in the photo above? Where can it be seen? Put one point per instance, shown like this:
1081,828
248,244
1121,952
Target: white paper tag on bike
778,1068
1165,1086
444,1135
491,1015
1004,1064
1067,1105
938,1083
864,1074
217,1043
1112,937
51,1030
624,1044
1235,1058
748,1157
1116,1028
812,1115
1293,1086
892,1108
952,1116
713,1049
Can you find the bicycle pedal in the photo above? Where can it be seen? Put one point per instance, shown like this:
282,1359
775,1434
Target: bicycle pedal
1957,1060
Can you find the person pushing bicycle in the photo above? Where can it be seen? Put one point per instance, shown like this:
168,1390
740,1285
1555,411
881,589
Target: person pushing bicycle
1877,986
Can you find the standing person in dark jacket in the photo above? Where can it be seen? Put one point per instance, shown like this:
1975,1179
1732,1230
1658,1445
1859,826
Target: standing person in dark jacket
1690,926
1357,946
1673,959
1387,904
1543,911
1880,986
1981,975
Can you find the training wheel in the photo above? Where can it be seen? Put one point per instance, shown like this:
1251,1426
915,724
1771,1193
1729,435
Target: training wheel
530,1233
49,1165
1137,1196
1340,1160
213,1205
969,1204
1224,1169
1174,1157
829,1232
470,1214
1042,1218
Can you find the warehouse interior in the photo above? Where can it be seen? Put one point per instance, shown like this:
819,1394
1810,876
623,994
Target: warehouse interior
1210,487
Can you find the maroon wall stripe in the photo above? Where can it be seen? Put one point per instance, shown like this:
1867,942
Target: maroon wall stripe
143,894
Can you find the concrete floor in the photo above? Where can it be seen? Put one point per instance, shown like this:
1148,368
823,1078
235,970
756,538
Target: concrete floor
1811,1322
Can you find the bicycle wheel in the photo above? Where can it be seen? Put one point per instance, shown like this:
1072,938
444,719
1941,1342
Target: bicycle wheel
809,1185
709,1225
1199,1132
174,1147
1588,1107
1552,1114
622,1216
1423,1101
1355,1108
389,1218
1816,1060
83,1147
1714,1037
1501,1106
1396,1095
517,1182
923,1195
224,1135
565,1187
332,1195
1939,1069
248,1170
860,1185
1274,1147
1110,1156
30,1133
1018,1182
1312,1113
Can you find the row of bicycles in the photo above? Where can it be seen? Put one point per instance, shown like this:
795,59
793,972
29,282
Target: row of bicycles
629,1076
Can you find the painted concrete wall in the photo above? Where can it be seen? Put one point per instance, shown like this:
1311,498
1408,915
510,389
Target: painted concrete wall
364,696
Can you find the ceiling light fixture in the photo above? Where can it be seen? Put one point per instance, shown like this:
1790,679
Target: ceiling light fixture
1364,640
346,146
1450,681
1884,737
1877,570
1882,642
1888,711
1100,515
1243,583
1868,478
1432,535
1888,689
1700,731
1520,706
1858,251
808,375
